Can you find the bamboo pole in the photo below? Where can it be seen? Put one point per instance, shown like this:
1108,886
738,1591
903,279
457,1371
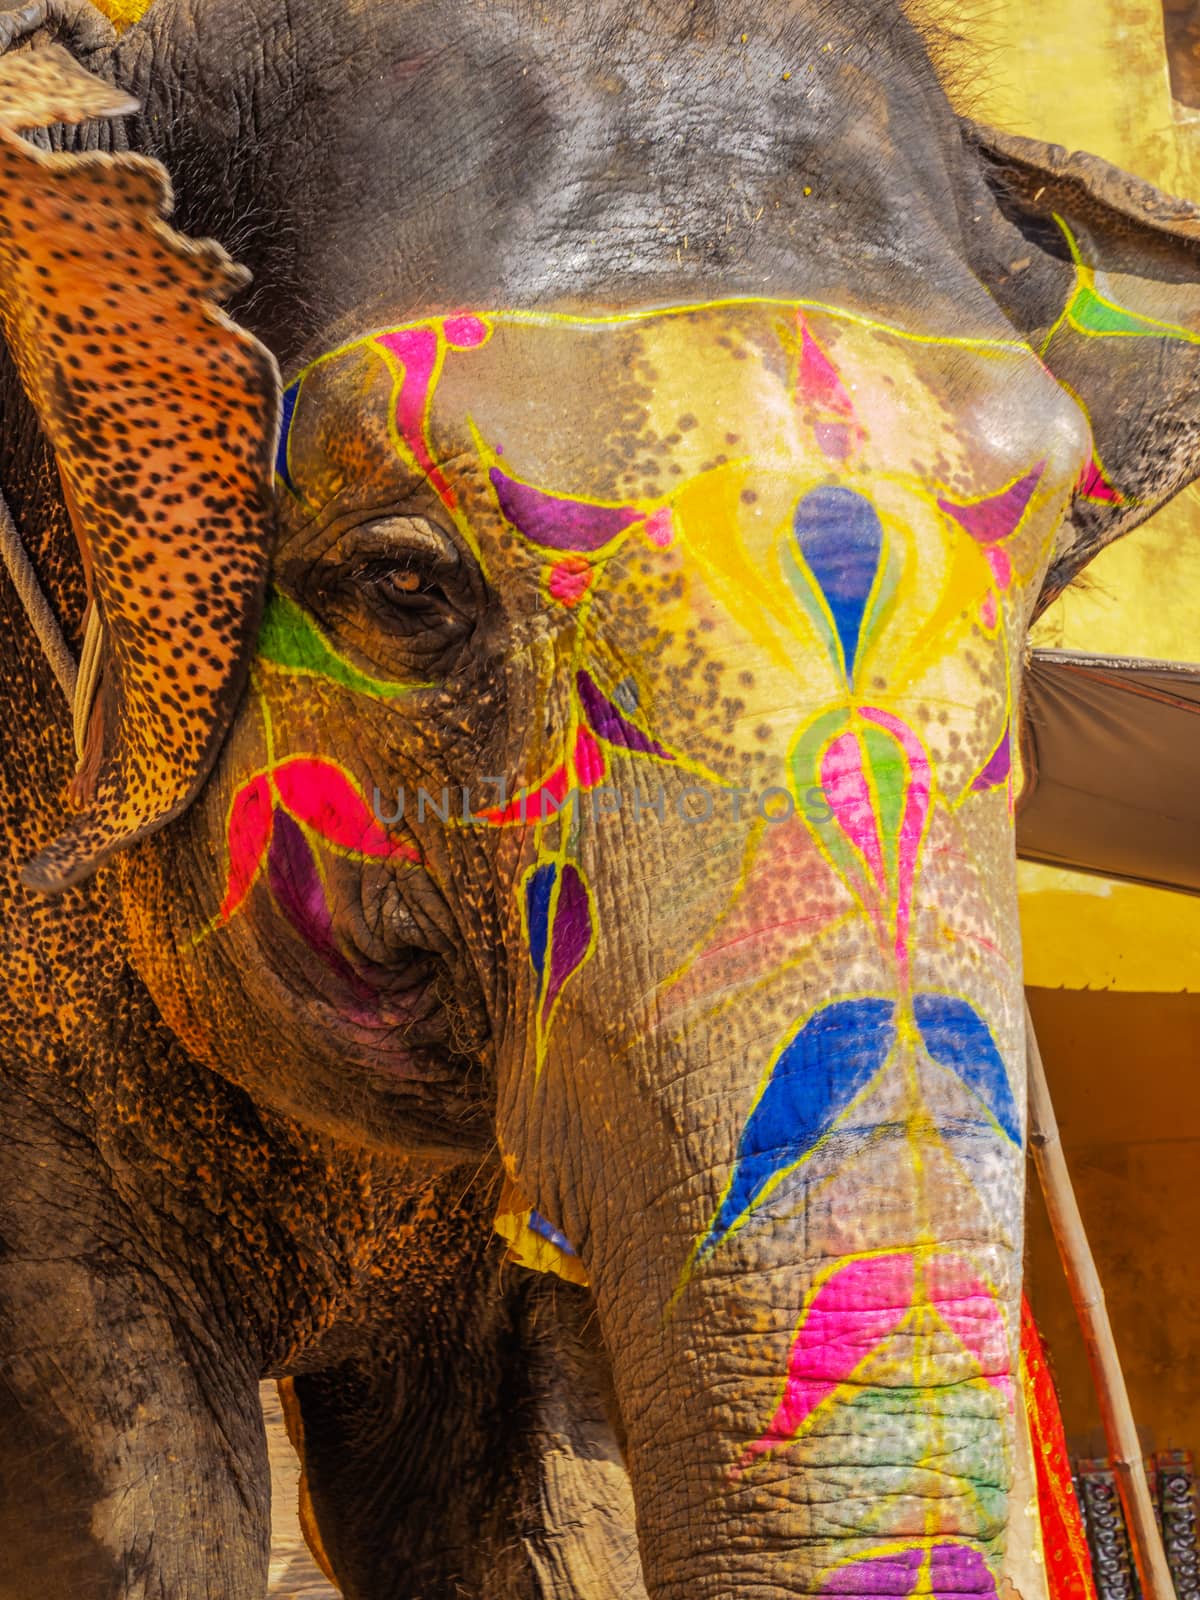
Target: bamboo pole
1088,1296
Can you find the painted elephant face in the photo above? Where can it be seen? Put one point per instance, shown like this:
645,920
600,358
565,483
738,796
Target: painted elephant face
733,587
674,656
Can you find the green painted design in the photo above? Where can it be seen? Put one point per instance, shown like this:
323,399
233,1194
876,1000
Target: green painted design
801,583
886,584
289,638
888,768
1090,312
804,762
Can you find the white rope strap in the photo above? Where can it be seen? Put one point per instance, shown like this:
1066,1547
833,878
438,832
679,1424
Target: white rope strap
87,680
37,607
79,685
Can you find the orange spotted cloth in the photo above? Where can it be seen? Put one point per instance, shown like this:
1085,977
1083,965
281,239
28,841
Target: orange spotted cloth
1068,1560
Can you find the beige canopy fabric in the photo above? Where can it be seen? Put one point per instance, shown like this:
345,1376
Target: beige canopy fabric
1111,750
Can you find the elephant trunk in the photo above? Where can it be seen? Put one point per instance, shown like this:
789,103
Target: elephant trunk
827,1441
809,1277
770,1083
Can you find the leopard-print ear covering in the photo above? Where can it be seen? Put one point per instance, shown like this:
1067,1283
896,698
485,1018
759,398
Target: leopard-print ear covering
163,415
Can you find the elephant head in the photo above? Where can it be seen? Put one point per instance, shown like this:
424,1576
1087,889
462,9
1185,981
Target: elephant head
678,437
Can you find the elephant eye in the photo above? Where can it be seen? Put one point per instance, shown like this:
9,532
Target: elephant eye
399,592
413,598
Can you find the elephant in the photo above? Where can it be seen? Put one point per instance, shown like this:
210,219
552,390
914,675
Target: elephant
515,936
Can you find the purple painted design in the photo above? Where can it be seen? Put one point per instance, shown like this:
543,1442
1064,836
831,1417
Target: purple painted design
892,1574
999,515
998,765
955,1571
958,1569
554,522
298,891
609,724
570,935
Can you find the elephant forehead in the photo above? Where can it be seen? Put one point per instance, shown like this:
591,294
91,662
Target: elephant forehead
634,402
630,407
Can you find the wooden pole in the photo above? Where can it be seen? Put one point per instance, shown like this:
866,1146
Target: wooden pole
1088,1296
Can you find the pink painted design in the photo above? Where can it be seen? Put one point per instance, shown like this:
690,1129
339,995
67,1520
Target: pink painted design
660,529
819,387
320,795
844,780
999,515
419,349
569,580
972,1314
835,439
466,332
912,821
818,382
589,760
532,805
998,561
314,792
248,834
855,1309
989,612
542,801
1093,484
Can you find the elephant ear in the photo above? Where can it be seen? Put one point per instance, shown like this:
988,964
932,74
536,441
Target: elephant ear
1102,276
163,415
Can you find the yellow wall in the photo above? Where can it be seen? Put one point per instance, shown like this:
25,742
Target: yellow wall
1082,932
1092,75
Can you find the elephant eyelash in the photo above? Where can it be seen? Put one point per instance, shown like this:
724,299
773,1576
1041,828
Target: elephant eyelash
415,601
404,578
412,589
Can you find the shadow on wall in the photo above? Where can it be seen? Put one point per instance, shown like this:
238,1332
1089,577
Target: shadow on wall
1122,1071
1181,28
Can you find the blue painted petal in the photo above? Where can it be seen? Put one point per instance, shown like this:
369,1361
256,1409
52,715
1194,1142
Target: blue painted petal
539,1225
539,886
815,1077
290,396
841,538
958,1039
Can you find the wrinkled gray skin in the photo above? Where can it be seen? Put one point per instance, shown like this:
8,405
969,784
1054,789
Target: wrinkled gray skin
164,1240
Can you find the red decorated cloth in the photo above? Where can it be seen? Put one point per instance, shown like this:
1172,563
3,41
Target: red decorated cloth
1068,1560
